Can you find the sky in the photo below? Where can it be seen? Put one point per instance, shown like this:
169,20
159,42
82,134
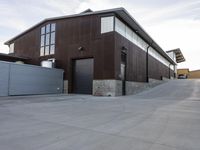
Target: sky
171,23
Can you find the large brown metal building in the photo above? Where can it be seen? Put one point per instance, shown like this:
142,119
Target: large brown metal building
102,52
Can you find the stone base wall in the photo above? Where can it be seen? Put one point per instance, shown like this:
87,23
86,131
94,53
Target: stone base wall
114,87
165,79
107,87
137,87
65,86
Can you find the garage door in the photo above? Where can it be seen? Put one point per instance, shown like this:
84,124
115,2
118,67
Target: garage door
83,76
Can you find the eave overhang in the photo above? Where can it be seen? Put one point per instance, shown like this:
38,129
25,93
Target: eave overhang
11,57
179,55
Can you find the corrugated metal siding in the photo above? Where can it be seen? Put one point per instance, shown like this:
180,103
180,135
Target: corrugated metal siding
30,80
4,77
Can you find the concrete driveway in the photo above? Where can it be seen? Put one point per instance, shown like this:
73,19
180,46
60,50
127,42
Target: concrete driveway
164,118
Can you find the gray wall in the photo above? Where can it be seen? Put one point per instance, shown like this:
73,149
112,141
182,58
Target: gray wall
18,79
4,77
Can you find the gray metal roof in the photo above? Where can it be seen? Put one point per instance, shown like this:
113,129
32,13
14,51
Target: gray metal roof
123,14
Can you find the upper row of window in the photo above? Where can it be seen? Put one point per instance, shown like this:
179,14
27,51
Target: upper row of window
111,23
48,31
48,28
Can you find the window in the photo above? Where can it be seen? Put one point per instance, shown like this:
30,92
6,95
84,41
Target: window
46,50
43,30
42,51
52,49
47,41
11,48
42,40
53,27
107,24
129,33
111,23
48,28
52,41
132,36
135,38
157,56
120,27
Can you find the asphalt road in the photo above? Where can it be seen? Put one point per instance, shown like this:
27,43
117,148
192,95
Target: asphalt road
166,117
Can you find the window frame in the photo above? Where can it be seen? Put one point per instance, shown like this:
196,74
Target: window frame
46,41
112,28
138,40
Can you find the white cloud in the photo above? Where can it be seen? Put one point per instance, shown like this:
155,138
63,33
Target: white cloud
182,34
171,23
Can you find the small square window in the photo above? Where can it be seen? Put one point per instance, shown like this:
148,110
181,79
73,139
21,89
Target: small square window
107,24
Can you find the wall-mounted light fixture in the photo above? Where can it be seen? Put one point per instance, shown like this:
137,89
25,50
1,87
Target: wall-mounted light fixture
124,49
80,48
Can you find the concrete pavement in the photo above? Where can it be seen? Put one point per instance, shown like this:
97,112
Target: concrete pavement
166,117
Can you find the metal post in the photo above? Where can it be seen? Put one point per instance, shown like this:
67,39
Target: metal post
169,72
147,62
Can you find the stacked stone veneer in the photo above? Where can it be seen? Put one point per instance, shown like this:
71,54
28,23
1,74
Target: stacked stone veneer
114,87
137,87
107,87
65,86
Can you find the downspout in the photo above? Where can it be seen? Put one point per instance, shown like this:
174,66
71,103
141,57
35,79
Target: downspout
169,71
147,62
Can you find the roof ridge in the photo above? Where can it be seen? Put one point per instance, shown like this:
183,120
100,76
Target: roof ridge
86,11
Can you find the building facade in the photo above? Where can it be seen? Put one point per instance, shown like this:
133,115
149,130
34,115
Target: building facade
178,57
102,52
194,74
183,72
